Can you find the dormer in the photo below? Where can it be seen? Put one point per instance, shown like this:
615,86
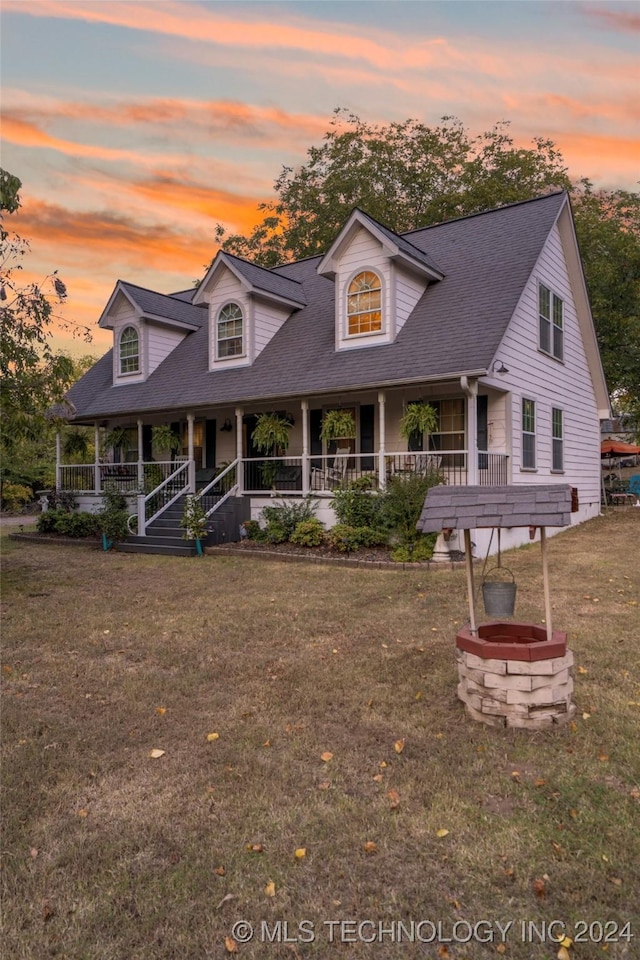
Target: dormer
247,306
379,278
146,326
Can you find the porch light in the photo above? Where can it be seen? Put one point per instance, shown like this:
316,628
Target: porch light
500,369
226,426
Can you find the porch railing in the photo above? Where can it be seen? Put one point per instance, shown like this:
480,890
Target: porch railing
125,477
151,506
223,486
77,477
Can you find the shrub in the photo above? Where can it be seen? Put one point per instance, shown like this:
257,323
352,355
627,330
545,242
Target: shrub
417,552
346,538
308,533
287,515
358,505
254,530
276,532
46,522
77,524
113,515
403,501
15,495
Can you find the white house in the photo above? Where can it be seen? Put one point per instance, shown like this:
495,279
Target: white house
485,317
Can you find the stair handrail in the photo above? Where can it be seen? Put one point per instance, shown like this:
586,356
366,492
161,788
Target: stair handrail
230,492
143,522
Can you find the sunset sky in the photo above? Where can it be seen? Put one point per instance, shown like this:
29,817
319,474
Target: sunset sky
138,125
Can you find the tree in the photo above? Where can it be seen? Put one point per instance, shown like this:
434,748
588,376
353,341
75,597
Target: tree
404,174
408,175
33,376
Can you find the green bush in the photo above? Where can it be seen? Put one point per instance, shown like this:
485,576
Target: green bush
113,515
15,495
345,538
276,532
287,515
77,525
254,530
308,533
357,505
416,552
46,522
403,501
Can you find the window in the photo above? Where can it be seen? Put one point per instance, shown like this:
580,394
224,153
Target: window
550,309
129,351
449,434
364,298
229,332
557,462
528,434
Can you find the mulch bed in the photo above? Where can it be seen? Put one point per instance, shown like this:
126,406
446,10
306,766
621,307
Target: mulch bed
289,552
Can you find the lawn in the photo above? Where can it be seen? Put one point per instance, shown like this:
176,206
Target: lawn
332,695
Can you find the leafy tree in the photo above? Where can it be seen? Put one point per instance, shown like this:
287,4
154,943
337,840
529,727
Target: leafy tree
33,376
409,175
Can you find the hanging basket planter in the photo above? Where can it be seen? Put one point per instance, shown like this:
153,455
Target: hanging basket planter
499,596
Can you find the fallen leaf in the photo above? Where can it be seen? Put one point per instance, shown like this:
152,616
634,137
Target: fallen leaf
603,757
443,952
539,889
300,853
231,945
582,670
442,833
501,948
585,716
378,778
370,846
515,774
563,954
383,764
7,669
267,743
565,942
324,784
155,754
270,889
394,799
616,881
255,848
161,711
326,756
220,871
540,782
83,813
418,695
573,813
213,736
227,896
33,852
399,746
573,726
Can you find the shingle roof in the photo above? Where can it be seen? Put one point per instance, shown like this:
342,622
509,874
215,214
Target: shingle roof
520,505
405,245
164,305
455,328
269,281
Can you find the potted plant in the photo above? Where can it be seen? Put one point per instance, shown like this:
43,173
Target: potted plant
194,521
118,439
419,418
164,438
338,425
113,518
271,437
76,444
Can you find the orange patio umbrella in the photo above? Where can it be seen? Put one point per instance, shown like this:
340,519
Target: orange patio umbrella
616,448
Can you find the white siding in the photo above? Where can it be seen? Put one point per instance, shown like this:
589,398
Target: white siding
409,289
160,342
228,288
126,316
565,385
364,252
267,318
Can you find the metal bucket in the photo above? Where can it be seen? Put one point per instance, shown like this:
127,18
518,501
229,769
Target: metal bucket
499,596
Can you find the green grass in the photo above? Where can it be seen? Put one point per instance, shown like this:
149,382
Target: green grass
111,855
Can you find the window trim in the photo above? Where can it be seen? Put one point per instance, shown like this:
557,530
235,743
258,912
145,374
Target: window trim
137,355
364,333
552,325
524,417
242,337
557,441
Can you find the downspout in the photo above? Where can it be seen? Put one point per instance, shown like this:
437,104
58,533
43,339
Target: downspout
382,470
471,390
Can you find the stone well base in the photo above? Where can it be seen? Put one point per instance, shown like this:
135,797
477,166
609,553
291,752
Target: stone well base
535,695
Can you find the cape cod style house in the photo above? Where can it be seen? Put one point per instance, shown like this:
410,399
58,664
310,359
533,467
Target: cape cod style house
485,317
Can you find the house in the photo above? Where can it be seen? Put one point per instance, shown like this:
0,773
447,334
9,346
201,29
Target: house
485,317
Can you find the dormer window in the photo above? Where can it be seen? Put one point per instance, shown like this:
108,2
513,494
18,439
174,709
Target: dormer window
129,351
229,332
364,304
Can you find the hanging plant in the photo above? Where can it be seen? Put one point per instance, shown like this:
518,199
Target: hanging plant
338,425
419,418
271,433
76,444
118,439
164,438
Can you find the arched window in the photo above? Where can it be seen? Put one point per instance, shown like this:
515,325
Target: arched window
364,304
229,332
129,351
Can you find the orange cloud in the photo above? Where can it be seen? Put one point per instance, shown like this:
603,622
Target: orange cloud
621,20
222,206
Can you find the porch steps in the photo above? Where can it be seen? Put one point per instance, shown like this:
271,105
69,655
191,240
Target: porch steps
164,535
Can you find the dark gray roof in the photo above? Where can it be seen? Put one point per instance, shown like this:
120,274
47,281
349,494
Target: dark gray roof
163,305
269,281
405,245
455,328
520,505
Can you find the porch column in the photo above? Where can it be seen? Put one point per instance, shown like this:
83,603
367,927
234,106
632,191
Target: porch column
58,459
240,467
382,468
471,390
96,458
305,447
192,465
140,457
